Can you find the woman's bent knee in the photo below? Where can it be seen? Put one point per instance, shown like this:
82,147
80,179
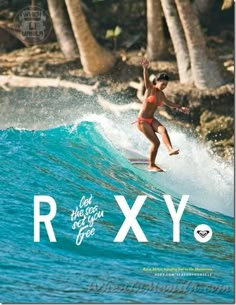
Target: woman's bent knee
155,145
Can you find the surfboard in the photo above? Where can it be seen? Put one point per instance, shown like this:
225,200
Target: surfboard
138,160
143,165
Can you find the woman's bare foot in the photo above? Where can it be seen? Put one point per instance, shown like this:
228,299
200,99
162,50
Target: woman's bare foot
154,168
174,151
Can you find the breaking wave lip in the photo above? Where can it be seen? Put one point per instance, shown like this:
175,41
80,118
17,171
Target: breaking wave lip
208,180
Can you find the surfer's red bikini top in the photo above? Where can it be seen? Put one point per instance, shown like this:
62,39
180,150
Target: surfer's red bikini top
152,99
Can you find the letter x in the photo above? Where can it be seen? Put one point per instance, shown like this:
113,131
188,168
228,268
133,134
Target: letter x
130,219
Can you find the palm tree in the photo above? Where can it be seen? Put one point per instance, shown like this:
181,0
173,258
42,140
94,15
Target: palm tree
62,28
178,40
205,69
156,47
94,58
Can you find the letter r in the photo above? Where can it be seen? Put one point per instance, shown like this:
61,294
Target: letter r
44,218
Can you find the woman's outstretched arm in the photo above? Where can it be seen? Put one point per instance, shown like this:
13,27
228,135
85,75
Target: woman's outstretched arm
145,64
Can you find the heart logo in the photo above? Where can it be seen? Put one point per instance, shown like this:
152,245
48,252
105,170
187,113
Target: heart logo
203,233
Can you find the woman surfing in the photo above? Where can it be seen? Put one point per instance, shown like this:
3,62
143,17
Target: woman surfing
147,124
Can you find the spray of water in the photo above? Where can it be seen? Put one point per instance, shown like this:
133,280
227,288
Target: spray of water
208,180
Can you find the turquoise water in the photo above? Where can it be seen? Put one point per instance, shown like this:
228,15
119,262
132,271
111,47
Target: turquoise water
72,161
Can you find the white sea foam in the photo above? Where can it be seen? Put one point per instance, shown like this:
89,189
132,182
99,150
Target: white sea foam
208,180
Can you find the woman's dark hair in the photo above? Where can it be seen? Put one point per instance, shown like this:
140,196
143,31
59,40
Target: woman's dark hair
162,76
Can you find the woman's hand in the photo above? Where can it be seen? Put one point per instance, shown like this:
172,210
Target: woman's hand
145,63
